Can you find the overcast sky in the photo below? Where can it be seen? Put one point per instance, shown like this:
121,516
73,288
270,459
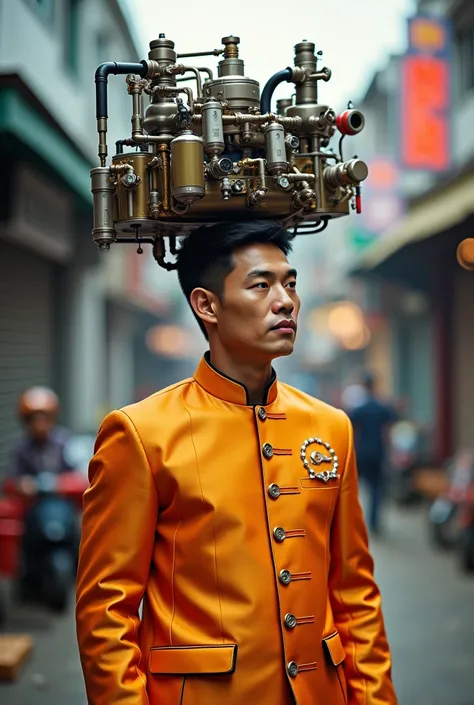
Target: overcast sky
356,37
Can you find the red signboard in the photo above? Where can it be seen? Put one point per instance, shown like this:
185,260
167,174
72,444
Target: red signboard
425,124
425,96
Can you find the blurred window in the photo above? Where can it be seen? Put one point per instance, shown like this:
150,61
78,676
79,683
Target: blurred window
466,59
71,35
102,44
44,8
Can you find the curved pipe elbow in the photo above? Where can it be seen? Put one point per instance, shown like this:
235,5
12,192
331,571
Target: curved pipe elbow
271,84
116,68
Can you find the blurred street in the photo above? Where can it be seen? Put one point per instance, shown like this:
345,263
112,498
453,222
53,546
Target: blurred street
427,604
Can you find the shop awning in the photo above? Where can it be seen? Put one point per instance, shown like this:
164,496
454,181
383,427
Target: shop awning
440,210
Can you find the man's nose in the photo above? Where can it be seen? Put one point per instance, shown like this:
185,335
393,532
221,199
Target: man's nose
283,302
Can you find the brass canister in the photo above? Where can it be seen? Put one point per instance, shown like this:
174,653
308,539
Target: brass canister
187,167
134,205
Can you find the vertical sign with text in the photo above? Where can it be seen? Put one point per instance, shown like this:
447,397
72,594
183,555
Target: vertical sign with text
425,96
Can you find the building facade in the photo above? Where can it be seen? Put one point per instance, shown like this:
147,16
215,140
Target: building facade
61,323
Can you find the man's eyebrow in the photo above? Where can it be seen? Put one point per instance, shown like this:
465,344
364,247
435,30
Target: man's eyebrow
267,274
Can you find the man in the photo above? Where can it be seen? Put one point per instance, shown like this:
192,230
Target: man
228,502
371,420
41,448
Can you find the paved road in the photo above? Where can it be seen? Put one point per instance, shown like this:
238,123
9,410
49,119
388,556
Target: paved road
429,611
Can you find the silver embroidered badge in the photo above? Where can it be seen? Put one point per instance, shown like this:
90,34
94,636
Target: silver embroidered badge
318,458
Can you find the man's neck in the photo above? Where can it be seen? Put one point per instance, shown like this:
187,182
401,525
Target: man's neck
254,377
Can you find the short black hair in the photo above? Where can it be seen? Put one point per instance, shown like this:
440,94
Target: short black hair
205,257
368,381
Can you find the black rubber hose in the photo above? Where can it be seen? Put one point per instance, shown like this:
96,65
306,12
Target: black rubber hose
101,76
271,84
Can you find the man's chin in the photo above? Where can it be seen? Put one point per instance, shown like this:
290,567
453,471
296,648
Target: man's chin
284,349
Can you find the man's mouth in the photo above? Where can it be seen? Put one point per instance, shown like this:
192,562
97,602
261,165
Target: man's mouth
286,326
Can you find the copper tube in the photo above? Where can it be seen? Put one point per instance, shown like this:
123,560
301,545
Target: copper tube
164,152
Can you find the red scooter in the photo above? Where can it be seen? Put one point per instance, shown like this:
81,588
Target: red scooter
39,535
451,515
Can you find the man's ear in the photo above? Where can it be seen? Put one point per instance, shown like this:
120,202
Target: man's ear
204,304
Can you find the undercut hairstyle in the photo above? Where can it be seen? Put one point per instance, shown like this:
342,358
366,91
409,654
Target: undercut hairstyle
205,258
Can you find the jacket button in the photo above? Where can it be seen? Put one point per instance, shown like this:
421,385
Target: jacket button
262,414
292,669
285,577
267,450
290,621
274,491
279,534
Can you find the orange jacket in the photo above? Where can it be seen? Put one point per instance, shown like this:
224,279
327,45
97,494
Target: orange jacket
255,575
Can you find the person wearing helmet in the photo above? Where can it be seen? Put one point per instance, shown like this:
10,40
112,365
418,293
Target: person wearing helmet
41,448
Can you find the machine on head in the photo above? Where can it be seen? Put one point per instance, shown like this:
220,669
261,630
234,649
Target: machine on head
219,153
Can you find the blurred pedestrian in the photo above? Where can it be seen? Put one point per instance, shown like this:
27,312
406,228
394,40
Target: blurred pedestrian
229,503
371,420
42,445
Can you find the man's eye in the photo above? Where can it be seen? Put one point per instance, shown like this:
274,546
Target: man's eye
261,285
292,285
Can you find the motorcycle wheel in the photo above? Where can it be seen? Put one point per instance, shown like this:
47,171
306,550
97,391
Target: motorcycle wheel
443,524
58,581
467,550
5,600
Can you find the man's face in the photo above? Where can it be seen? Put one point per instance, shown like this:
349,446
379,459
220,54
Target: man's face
40,426
256,318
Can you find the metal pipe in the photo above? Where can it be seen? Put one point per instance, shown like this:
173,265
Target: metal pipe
214,52
310,228
165,166
197,76
297,178
136,112
270,86
323,155
204,69
101,78
174,89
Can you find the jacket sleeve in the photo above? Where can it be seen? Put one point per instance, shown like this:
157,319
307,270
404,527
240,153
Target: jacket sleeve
355,598
118,530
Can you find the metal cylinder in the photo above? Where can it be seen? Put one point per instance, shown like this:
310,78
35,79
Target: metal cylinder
162,51
103,189
307,90
282,104
240,92
275,148
347,173
212,128
187,167
230,65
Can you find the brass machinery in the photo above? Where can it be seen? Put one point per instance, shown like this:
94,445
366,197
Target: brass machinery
219,153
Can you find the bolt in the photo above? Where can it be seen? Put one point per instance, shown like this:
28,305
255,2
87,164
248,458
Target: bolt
104,246
283,182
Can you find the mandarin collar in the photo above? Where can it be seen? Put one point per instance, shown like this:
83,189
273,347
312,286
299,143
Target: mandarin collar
227,389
